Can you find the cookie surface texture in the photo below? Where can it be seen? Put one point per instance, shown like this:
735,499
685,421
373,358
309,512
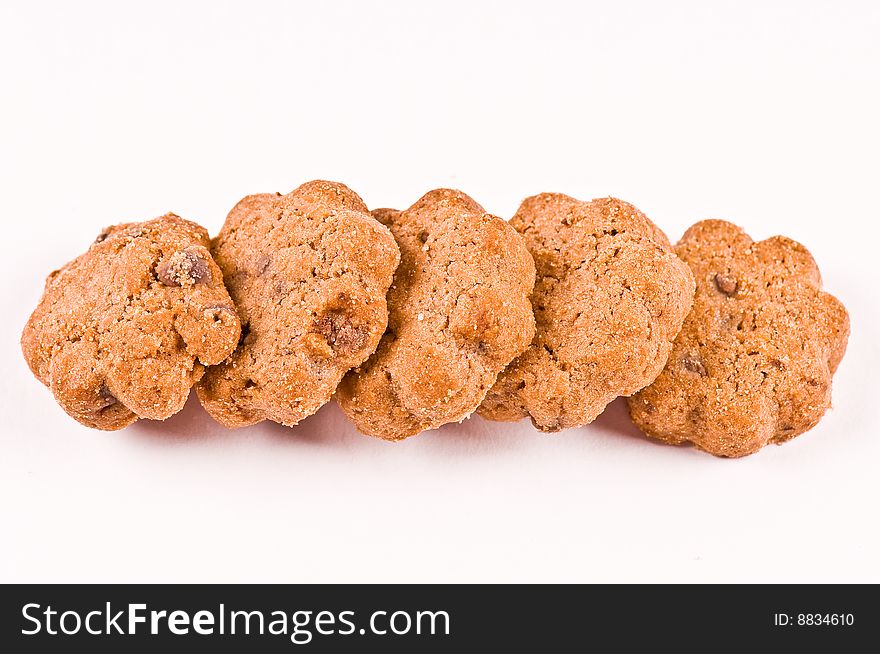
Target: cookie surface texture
459,313
308,272
609,299
124,330
753,362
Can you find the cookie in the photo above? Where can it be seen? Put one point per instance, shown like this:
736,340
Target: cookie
308,272
609,299
753,362
124,330
459,313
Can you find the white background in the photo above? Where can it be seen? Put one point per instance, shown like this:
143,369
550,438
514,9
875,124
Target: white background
765,114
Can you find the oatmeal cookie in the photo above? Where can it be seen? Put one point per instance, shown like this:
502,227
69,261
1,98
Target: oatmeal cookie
609,299
308,272
753,363
459,314
125,329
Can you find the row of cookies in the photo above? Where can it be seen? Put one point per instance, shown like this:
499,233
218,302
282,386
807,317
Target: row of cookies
418,318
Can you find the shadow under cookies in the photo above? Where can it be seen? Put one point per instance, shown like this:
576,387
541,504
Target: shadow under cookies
191,424
615,421
329,428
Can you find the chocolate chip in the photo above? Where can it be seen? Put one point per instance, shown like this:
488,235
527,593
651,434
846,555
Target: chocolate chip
692,363
779,365
548,427
339,332
184,268
423,237
726,285
102,236
263,263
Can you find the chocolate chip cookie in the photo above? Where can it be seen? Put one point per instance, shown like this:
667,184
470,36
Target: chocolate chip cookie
753,362
123,331
459,313
308,272
609,299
